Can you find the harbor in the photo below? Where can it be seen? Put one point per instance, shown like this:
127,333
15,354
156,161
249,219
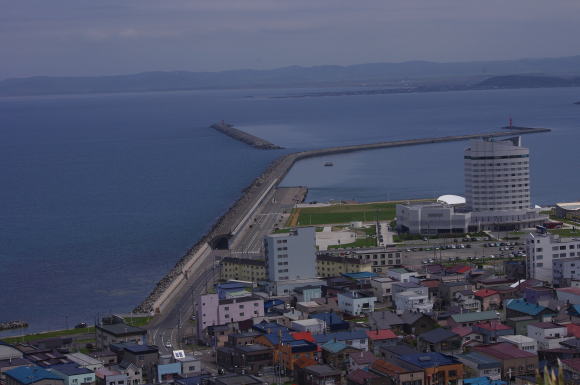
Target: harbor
233,221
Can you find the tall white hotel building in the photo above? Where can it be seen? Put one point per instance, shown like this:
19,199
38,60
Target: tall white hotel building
497,194
497,185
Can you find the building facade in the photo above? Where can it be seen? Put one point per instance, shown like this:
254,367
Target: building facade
542,249
292,255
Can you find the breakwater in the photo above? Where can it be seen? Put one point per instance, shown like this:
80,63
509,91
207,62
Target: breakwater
268,179
244,137
13,325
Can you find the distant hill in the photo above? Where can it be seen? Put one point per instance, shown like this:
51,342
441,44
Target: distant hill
527,81
374,74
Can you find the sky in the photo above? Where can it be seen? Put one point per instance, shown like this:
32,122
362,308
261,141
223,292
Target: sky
102,37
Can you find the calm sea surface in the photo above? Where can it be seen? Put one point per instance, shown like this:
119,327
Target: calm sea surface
100,195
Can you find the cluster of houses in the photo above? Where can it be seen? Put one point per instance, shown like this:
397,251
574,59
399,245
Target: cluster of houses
122,357
443,326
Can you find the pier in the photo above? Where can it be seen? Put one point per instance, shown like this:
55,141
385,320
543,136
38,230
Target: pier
176,282
244,137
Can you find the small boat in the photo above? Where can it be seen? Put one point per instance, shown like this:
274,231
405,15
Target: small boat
328,164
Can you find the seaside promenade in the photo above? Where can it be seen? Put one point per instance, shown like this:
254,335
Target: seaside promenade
173,297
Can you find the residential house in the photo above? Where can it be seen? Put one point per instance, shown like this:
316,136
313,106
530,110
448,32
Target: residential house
333,321
389,352
447,290
439,369
412,301
363,377
468,336
328,265
397,375
356,303
569,295
520,324
548,334
32,375
319,375
356,338
466,301
384,319
244,269
401,274
73,374
336,354
85,361
249,359
360,360
515,362
491,330
190,365
382,287
417,323
133,372
524,343
379,337
439,340
114,333
489,299
481,365
538,294
470,319
312,325
145,357
245,338
107,376
288,352
571,369
212,311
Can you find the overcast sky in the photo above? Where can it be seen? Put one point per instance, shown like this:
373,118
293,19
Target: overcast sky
94,37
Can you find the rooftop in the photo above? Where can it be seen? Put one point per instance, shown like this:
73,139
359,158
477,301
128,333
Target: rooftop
485,293
522,306
475,316
547,325
481,360
359,275
322,370
503,350
382,334
569,290
70,369
429,360
387,367
437,335
121,329
31,374
363,357
494,325
360,376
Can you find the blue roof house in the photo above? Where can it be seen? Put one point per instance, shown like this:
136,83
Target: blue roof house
29,375
72,374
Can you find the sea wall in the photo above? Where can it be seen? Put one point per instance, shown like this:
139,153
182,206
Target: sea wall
276,172
244,137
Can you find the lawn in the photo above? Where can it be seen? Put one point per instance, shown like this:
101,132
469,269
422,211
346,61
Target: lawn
137,321
566,232
56,333
345,213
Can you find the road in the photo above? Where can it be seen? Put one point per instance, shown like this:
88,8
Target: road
168,329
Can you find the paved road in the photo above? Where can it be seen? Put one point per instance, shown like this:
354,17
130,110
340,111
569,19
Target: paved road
169,328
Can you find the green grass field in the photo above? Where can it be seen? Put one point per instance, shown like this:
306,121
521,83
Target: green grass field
361,242
137,321
57,333
346,213
566,232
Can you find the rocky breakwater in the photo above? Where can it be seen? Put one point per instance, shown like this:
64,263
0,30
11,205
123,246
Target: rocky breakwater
13,325
224,225
244,137
275,174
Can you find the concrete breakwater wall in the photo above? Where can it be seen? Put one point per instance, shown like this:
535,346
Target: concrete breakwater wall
244,137
276,172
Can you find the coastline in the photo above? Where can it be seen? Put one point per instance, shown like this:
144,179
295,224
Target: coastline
270,177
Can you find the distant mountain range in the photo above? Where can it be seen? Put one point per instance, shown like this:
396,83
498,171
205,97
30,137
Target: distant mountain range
549,72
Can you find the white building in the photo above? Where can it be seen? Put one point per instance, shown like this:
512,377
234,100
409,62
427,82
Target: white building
292,255
549,335
524,343
412,301
382,288
497,193
542,249
312,325
401,274
356,303
566,271
466,300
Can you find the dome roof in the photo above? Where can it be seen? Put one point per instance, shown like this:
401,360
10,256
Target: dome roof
451,199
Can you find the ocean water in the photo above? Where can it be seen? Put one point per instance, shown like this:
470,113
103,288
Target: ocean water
100,195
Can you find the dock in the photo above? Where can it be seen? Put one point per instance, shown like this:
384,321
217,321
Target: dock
174,283
244,137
